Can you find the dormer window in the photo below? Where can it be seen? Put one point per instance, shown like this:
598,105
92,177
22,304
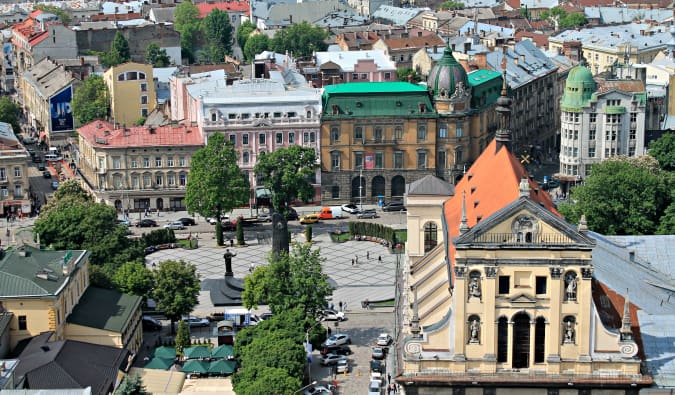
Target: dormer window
335,109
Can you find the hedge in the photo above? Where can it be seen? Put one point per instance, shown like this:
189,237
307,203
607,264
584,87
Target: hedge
372,229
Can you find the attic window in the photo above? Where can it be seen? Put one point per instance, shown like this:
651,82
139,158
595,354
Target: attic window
473,189
475,203
422,107
478,218
470,175
359,104
336,109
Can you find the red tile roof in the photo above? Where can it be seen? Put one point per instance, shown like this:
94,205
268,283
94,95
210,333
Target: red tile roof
492,182
227,6
414,42
31,30
540,40
102,134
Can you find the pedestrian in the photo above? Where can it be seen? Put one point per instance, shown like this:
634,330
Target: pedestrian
352,261
388,390
379,258
331,306
340,305
388,378
357,259
345,306
367,254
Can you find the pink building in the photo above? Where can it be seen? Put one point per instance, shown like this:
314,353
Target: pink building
329,68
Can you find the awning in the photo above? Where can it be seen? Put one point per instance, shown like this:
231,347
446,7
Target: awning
222,352
196,352
195,366
159,363
165,352
222,367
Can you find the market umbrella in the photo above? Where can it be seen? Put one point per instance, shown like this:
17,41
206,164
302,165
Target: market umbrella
196,352
195,366
159,363
222,352
165,352
222,366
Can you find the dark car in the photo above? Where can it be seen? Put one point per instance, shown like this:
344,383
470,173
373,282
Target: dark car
394,206
37,159
367,214
151,249
229,226
146,223
46,174
151,324
292,215
187,221
338,350
377,366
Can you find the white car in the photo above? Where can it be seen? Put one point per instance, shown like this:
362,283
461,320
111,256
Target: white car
384,339
374,387
343,366
213,220
351,208
174,225
331,359
196,322
338,339
332,315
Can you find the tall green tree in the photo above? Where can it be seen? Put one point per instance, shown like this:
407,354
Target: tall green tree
405,74
134,278
288,173
291,280
663,150
573,20
9,113
216,183
187,23
176,288
300,39
243,33
255,45
622,196
91,100
182,338
157,56
52,9
218,33
451,5
119,51
132,384
265,380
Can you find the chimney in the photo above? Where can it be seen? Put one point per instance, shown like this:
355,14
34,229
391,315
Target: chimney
522,58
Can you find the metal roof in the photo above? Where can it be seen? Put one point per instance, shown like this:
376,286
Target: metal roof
611,15
610,38
348,59
524,63
397,15
105,309
374,87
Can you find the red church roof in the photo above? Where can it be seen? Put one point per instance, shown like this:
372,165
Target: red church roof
227,6
103,134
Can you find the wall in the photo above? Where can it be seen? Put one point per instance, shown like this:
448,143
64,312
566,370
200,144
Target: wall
138,37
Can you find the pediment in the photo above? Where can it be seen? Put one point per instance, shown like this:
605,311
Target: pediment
523,223
522,299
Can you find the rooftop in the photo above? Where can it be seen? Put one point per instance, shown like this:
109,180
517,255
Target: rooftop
641,36
348,59
102,134
373,87
104,309
524,63
481,76
397,15
227,6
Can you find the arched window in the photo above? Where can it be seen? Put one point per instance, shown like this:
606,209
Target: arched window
521,341
430,236
358,189
214,117
377,186
502,339
397,186
539,340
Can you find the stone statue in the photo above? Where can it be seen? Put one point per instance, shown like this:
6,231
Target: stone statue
571,290
475,328
474,288
569,332
228,262
280,236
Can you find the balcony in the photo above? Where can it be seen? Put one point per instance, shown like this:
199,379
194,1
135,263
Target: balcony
3,180
101,170
380,142
254,122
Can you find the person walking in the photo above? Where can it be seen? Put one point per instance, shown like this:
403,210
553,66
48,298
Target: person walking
367,254
340,305
379,258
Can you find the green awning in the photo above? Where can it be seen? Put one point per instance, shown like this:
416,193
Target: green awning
159,363
165,352
223,352
196,352
195,366
222,366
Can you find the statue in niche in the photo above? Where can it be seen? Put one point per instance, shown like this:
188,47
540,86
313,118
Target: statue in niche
474,288
475,330
571,287
569,332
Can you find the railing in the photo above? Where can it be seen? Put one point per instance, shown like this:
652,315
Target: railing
262,121
522,239
380,142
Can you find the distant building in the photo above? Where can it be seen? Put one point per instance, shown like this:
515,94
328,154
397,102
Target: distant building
132,92
14,185
401,50
330,68
137,168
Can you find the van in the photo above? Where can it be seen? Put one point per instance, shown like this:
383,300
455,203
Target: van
241,317
334,212
52,158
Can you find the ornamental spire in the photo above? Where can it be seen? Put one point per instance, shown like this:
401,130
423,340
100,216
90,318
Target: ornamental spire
503,135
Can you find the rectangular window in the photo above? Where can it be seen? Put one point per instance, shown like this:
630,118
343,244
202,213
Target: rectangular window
421,132
144,99
134,163
146,162
504,285
116,162
171,180
379,160
134,182
335,160
632,134
261,138
358,134
23,323
146,181
144,86
355,76
17,172
291,138
387,76
3,173
358,160
18,191
158,162
443,131
280,138
233,139
181,161
458,131
398,132
541,285
158,180
631,151
421,160
334,134
592,117
244,139
169,161
3,191
364,76
182,179
398,159
591,152
591,134
144,112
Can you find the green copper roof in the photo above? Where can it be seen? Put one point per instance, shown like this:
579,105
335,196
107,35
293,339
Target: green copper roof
446,74
580,74
579,89
482,76
105,309
486,88
373,87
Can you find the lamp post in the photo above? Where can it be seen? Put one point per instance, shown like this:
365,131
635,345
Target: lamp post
361,188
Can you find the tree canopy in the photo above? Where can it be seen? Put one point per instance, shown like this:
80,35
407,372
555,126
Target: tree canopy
288,173
176,288
244,31
157,56
622,196
299,39
187,23
451,5
663,150
52,9
255,45
134,278
91,100
218,33
119,51
132,384
564,19
9,113
403,73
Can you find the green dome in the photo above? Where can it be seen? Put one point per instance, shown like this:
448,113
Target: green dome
579,88
446,74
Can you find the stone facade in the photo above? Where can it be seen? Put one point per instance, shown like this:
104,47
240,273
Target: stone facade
14,185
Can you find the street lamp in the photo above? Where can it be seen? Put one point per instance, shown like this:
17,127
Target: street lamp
361,188
307,386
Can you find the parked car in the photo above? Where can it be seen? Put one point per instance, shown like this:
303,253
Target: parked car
365,214
377,365
310,219
151,249
339,350
266,316
146,223
379,353
291,214
351,208
384,339
394,206
55,185
186,221
319,389
229,225
337,339
41,165
213,220
151,324
331,359
46,174
175,225
124,222
332,315
374,387
264,217
196,322
343,366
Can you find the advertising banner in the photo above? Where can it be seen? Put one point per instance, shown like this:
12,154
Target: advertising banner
369,160
61,112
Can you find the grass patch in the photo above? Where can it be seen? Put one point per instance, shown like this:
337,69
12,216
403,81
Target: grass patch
340,238
185,244
384,303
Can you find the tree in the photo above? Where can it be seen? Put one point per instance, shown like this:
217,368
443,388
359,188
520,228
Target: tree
573,20
182,339
239,230
255,45
176,288
216,183
218,33
243,33
287,173
667,221
156,56
61,14
407,74
265,380
119,51
187,23
91,100
132,384
663,150
622,196
452,5
9,113
300,39
291,280
133,278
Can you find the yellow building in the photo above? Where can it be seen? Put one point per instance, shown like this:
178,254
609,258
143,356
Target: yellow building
48,291
132,92
14,185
